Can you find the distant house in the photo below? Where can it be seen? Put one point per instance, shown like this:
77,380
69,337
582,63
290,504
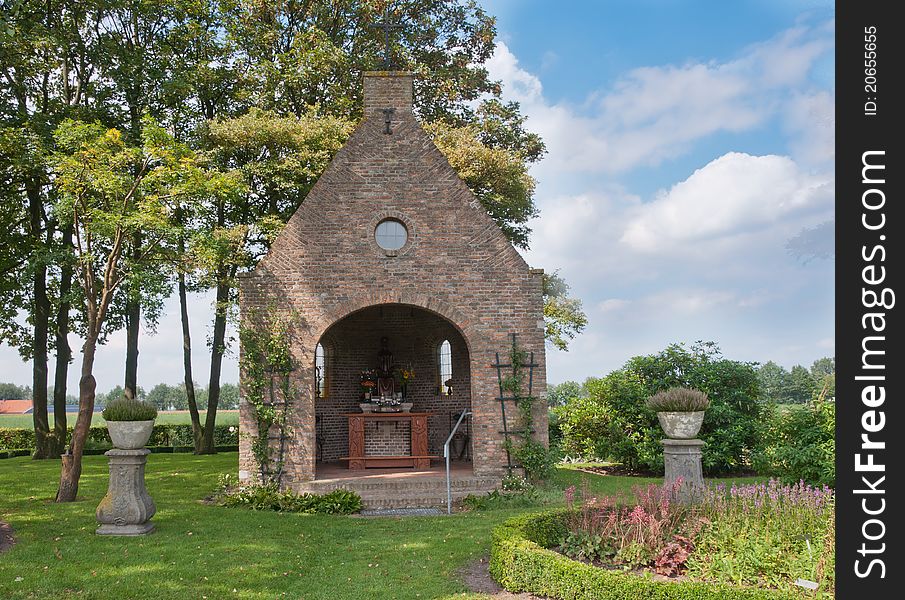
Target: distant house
16,407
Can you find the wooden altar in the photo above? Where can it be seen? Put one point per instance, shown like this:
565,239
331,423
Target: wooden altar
417,457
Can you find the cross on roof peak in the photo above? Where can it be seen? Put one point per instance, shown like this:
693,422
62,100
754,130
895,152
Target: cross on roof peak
387,27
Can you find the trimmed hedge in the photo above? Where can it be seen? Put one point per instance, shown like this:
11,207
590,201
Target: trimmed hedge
99,451
163,435
520,562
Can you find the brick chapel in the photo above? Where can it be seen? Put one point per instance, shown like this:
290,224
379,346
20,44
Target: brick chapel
391,264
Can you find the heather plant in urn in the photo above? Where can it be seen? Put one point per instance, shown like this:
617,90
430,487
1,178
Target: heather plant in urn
680,411
129,422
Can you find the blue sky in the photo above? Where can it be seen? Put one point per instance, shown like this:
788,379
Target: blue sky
689,142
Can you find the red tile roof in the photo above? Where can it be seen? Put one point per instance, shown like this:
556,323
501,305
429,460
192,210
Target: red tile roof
15,407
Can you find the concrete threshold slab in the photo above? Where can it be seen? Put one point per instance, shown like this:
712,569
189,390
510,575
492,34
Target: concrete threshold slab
402,512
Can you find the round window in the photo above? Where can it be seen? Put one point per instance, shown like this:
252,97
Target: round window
391,234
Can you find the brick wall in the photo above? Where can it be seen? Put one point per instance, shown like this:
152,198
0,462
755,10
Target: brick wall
414,335
457,270
388,438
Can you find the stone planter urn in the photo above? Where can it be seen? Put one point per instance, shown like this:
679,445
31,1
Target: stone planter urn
681,425
406,407
127,508
457,444
130,435
366,407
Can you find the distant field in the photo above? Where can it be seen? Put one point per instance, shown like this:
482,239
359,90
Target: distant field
224,417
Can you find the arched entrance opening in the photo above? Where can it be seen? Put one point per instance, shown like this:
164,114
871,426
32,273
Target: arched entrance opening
403,349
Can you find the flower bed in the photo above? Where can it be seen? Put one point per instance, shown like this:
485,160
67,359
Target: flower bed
744,542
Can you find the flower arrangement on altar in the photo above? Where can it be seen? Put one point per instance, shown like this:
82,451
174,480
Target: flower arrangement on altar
368,382
404,376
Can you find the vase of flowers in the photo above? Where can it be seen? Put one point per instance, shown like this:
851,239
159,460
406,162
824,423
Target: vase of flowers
403,377
368,381
680,411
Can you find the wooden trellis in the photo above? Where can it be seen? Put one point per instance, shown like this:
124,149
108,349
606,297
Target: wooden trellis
513,396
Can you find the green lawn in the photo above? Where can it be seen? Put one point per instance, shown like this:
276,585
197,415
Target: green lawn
224,417
202,551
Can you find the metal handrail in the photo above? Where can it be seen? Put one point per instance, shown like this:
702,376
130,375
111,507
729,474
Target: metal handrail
464,414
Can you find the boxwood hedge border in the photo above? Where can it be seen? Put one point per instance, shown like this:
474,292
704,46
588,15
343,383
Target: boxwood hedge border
168,437
521,562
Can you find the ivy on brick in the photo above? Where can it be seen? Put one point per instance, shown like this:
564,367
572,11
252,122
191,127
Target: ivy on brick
535,458
266,366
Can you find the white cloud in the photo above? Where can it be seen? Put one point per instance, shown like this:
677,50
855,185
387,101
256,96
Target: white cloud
612,305
733,194
655,113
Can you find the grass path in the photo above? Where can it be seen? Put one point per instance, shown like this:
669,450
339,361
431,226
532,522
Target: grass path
209,552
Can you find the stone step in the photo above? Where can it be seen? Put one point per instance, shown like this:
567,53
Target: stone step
425,485
425,501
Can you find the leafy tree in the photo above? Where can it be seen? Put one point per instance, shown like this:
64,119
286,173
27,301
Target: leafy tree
167,397
563,315
498,177
11,391
823,371
278,160
229,396
774,382
800,443
732,424
108,191
563,393
823,367
800,385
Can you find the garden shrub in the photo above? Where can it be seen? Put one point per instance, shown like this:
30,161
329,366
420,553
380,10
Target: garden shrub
582,425
128,409
732,425
630,535
799,443
521,562
269,497
515,492
767,535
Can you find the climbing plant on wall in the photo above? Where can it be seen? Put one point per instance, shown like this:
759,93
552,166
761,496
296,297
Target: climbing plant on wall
528,453
266,366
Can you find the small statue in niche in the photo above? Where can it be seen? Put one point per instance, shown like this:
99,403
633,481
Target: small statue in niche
386,382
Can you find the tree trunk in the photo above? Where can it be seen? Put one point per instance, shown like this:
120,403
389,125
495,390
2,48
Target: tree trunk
72,460
133,318
197,432
64,352
217,349
133,322
40,320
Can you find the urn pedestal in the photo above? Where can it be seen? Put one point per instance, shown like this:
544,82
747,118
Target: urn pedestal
682,460
127,508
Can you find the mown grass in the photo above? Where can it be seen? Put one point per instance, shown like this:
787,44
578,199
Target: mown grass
224,417
203,551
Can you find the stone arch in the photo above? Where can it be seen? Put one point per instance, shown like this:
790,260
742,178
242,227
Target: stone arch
432,304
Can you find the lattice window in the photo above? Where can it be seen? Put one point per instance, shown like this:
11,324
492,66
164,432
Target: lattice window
444,355
320,371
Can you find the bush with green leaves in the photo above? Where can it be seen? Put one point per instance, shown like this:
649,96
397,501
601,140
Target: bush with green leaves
800,444
270,497
128,409
172,435
678,399
732,428
583,425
